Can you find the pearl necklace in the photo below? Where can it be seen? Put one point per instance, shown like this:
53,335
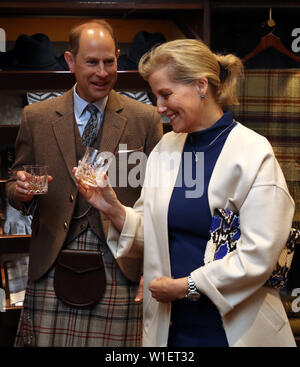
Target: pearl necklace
217,137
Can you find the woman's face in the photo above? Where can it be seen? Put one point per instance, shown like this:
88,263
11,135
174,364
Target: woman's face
179,102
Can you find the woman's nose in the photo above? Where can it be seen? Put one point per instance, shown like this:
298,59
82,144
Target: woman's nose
160,107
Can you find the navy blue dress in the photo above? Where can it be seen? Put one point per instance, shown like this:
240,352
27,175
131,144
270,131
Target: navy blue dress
195,324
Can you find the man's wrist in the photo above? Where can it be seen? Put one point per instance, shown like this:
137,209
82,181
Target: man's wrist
28,208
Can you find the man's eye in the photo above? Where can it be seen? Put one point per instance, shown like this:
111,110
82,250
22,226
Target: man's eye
109,62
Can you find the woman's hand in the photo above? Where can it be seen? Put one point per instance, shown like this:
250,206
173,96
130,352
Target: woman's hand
104,199
101,197
165,289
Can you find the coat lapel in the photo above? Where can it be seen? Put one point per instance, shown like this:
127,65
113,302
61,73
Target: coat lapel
113,125
63,128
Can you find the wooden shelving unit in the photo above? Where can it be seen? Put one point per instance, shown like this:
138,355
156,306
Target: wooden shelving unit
193,19
10,244
26,81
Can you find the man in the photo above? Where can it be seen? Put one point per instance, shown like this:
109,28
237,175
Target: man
53,133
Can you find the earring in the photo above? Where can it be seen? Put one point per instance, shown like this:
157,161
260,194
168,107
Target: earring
202,96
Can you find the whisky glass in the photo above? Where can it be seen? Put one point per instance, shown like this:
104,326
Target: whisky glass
93,165
37,178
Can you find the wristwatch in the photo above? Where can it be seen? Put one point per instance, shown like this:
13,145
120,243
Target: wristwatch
193,294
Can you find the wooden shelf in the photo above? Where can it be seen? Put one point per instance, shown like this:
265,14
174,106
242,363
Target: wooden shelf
8,134
124,9
254,4
13,244
13,308
25,81
3,181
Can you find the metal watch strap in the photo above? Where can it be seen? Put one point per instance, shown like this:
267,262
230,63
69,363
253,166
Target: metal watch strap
193,294
191,283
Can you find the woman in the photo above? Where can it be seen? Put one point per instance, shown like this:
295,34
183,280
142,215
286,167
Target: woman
221,165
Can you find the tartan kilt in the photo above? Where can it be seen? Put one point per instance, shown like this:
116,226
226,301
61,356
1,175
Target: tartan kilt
116,321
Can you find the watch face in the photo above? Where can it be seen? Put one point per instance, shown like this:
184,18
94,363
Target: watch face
193,296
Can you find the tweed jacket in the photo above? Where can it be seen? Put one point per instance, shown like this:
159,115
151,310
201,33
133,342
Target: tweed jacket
46,136
246,178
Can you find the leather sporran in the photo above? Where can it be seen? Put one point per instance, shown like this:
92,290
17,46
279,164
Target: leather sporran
79,278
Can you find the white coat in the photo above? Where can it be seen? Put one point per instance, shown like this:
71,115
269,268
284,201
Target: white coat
246,178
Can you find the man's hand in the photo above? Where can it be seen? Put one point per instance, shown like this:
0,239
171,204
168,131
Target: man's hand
139,295
21,188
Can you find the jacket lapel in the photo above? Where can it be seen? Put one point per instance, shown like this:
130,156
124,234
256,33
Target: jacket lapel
63,127
113,124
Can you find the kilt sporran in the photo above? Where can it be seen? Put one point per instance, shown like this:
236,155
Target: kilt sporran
79,277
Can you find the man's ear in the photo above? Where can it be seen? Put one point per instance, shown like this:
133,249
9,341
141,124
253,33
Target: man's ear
70,60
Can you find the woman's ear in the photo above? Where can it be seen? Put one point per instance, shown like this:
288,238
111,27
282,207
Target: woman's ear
202,86
70,60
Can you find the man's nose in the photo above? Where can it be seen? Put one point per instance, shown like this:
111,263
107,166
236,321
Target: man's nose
101,71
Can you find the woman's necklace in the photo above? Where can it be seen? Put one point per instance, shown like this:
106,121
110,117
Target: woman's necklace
217,137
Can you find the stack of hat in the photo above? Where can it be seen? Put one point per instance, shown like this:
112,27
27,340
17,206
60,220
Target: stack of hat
32,53
143,41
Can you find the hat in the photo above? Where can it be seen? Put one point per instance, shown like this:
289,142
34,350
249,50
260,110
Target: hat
32,53
143,41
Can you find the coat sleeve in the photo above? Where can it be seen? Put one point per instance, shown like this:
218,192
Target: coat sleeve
24,155
266,217
130,242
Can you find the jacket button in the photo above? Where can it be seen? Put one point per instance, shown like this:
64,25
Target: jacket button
65,225
71,198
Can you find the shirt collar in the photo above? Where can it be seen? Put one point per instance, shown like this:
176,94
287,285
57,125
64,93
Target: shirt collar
80,104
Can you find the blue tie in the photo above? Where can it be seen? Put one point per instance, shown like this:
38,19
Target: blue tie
91,128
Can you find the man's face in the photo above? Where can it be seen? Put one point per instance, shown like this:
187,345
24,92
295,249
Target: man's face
95,65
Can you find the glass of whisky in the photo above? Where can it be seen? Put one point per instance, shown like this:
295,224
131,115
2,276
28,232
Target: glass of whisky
37,178
93,165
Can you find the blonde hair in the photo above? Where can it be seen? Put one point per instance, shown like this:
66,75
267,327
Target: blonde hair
189,60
